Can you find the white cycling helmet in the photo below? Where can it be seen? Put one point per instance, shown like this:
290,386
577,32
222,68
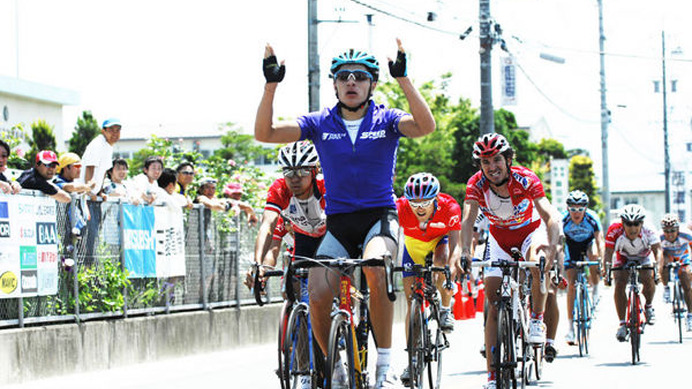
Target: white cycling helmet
298,154
632,213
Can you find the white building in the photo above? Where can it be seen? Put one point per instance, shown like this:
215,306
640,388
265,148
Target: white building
25,102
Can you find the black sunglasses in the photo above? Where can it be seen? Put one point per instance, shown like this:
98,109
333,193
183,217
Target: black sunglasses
632,224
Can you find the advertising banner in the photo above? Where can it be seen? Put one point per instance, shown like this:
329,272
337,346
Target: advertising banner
28,246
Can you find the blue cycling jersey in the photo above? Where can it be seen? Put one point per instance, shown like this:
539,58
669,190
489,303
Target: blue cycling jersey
357,175
584,231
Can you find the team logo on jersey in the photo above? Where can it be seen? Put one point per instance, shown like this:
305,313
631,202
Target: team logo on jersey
522,206
333,135
454,220
521,180
373,134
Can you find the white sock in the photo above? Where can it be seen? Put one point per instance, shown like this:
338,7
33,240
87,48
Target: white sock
384,356
549,341
595,289
447,308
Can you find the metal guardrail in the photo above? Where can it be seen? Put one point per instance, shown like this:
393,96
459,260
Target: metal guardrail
218,251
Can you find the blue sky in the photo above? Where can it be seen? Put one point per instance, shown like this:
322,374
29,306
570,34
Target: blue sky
171,64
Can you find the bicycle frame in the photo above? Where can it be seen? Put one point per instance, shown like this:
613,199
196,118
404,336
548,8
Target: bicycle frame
583,307
424,293
635,323
678,300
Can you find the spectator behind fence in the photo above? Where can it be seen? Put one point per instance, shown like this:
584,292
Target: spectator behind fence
145,183
186,174
207,197
98,156
69,166
115,186
168,195
6,185
234,192
39,177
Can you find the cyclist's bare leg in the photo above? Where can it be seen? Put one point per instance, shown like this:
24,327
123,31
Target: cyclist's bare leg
619,294
408,283
649,289
665,276
595,274
440,259
685,278
538,297
492,286
552,313
324,286
381,309
571,291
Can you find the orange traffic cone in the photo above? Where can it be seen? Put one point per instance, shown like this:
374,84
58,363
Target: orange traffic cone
457,309
480,300
469,305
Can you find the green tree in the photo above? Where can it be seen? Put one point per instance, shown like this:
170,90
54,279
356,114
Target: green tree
431,153
14,137
582,177
85,131
42,138
239,147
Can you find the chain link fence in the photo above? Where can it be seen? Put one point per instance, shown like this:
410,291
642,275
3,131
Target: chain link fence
218,251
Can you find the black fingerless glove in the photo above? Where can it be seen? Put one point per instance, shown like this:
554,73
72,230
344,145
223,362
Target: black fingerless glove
273,72
398,69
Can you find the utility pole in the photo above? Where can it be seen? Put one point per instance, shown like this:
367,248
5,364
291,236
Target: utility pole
313,58
666,154
487,120
605,118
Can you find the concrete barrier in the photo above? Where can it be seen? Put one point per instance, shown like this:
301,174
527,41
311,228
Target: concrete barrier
39,352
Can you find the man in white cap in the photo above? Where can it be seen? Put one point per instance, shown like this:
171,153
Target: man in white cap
98,156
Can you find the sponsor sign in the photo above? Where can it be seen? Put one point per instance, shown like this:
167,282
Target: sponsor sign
28,247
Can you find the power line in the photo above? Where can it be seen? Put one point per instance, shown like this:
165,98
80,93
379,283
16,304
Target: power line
554,104
403,19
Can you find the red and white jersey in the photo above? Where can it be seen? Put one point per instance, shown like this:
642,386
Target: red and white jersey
306,216
640,247
282,233
511,213
447,218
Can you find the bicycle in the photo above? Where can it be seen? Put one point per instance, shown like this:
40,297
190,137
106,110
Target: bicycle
350,328
583,306
512,320
635,323
295,334
678,301
423,352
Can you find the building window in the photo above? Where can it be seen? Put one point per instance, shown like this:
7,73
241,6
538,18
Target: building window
679,178
679,197
681,214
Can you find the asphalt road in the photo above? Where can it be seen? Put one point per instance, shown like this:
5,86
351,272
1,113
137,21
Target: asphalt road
664,362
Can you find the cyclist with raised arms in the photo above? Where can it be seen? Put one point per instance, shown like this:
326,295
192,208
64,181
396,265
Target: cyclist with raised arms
513,200
357,141
583,241
431,223
628,239
676,248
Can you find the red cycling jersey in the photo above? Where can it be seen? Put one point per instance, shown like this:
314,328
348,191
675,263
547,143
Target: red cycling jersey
306,216
447,217
640,247
511,219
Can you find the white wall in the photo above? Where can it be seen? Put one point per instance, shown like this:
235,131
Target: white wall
27,111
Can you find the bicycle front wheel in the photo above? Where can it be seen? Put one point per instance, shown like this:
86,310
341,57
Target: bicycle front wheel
634,326
678,309
282,370
416,345
505,357
340,369
297,348
581,321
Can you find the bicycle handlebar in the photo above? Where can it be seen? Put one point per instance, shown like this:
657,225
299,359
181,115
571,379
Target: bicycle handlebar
259,284
301,262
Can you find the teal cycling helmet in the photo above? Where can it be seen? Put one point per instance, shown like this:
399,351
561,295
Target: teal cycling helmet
356,57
